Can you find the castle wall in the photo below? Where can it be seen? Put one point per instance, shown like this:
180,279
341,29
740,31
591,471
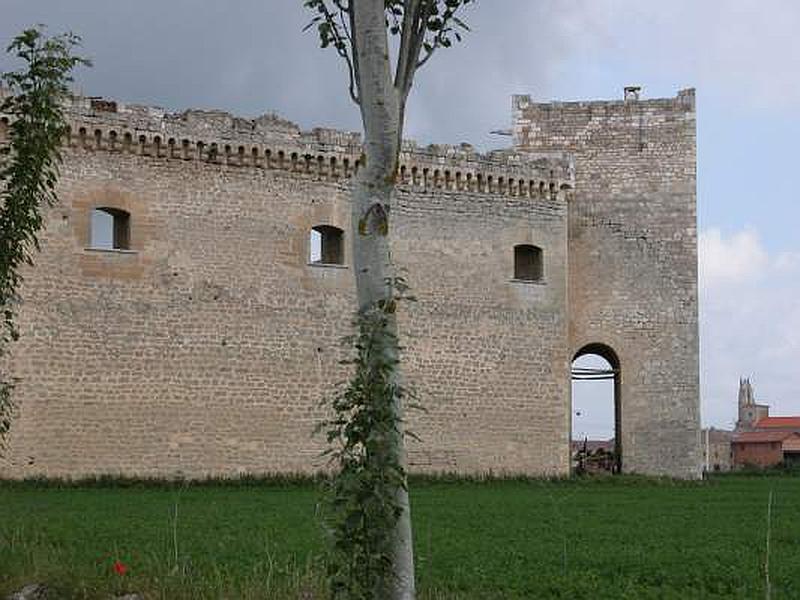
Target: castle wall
633,259
487,354
206,348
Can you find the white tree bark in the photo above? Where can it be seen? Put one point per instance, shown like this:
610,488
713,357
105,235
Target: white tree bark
382,108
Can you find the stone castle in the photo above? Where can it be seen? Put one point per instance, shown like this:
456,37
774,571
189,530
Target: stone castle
199,333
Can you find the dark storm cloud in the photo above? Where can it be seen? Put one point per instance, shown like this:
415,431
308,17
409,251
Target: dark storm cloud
251,56
247,56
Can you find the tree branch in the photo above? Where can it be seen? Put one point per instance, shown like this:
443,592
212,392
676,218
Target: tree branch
442,34
333,30
428,54
351,72
410,17
356,67
420,28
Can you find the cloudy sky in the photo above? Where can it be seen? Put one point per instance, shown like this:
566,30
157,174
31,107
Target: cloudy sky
743,56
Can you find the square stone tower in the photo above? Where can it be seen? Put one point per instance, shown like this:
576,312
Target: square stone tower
632,291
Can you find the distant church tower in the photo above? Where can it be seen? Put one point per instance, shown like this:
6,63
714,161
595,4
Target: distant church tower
749,411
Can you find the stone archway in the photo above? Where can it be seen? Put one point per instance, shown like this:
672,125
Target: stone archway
609,369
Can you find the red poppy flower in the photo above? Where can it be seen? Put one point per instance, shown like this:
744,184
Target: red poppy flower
119,568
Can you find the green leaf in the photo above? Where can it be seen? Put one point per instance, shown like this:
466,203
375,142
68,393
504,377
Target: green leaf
30,163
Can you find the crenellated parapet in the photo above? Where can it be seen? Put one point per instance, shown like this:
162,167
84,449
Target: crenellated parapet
570,125
272,143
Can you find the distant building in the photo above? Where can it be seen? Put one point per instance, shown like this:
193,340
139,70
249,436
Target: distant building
593,446
717,449
761,440
766,448
750,412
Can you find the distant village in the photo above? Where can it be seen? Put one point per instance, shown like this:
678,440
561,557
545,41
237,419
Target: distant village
758,440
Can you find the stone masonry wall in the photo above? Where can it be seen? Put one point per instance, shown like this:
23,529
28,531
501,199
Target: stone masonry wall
206,348
633,260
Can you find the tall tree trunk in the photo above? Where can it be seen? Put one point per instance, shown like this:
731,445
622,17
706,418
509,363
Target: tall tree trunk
381,111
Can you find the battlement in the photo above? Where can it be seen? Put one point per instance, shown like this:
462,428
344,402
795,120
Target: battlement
562,125
684,100
271,142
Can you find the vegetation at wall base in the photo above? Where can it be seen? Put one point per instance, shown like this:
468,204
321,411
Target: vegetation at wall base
614,537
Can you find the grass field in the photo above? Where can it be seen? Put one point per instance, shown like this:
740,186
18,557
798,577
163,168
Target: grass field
608,538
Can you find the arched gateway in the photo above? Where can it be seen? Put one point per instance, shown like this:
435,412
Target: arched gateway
608,369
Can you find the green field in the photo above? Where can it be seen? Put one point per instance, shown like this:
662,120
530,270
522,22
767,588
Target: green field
607,538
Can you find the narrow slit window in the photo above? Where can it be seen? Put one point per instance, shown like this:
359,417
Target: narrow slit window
110,229
528,263
326,245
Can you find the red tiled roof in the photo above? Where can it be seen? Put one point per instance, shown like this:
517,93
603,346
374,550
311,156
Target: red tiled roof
755,437
778,423
792,444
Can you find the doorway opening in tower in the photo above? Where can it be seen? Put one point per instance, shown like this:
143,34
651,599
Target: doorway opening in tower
596,411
